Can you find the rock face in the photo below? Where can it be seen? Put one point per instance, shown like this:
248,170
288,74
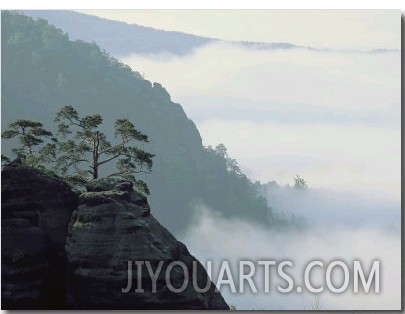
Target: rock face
35,212
57,255
45,201
113,226
24,265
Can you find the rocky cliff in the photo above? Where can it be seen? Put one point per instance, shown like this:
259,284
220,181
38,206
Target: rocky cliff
45,201
35,214
46,238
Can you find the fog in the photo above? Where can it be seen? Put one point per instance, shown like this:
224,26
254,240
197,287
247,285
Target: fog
296,78
327,210
345,157
368,29
333,117
216,239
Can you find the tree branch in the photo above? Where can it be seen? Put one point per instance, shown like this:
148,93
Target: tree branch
109,159
118,174
114,147
141,171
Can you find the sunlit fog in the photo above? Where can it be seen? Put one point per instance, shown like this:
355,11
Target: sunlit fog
247,135
332,117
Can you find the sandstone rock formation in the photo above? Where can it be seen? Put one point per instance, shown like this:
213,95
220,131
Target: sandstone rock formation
51,263
112,226
45,201
24,266
35,213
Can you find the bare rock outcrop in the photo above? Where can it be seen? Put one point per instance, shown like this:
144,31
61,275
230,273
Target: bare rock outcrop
113,226
46,201
35,214
64,251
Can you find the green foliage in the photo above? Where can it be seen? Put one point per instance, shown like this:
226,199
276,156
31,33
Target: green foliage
29,133
41,67
300,184
82,148
232,165
85,148
4,160
241,198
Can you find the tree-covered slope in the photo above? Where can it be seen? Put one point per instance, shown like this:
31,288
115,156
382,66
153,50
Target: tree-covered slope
122,39
42,70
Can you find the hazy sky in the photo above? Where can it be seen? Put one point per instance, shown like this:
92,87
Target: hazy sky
340,29
332,117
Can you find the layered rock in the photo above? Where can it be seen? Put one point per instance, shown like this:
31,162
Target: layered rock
57,255
45,201
24,266
113,226
36,210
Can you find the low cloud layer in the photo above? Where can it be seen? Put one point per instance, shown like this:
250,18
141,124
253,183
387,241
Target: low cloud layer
216,239
343,157
283,80
332,117
367,29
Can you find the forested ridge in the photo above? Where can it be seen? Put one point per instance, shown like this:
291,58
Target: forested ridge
42,71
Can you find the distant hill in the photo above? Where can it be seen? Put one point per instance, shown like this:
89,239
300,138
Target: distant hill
121,39
42,70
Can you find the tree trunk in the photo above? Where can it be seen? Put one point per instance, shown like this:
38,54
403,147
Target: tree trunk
96,143
95,172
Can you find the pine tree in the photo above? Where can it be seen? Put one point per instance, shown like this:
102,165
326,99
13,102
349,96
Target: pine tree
81,148
84,148
30,134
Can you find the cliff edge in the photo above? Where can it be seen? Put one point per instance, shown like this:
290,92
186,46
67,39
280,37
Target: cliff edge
64,251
